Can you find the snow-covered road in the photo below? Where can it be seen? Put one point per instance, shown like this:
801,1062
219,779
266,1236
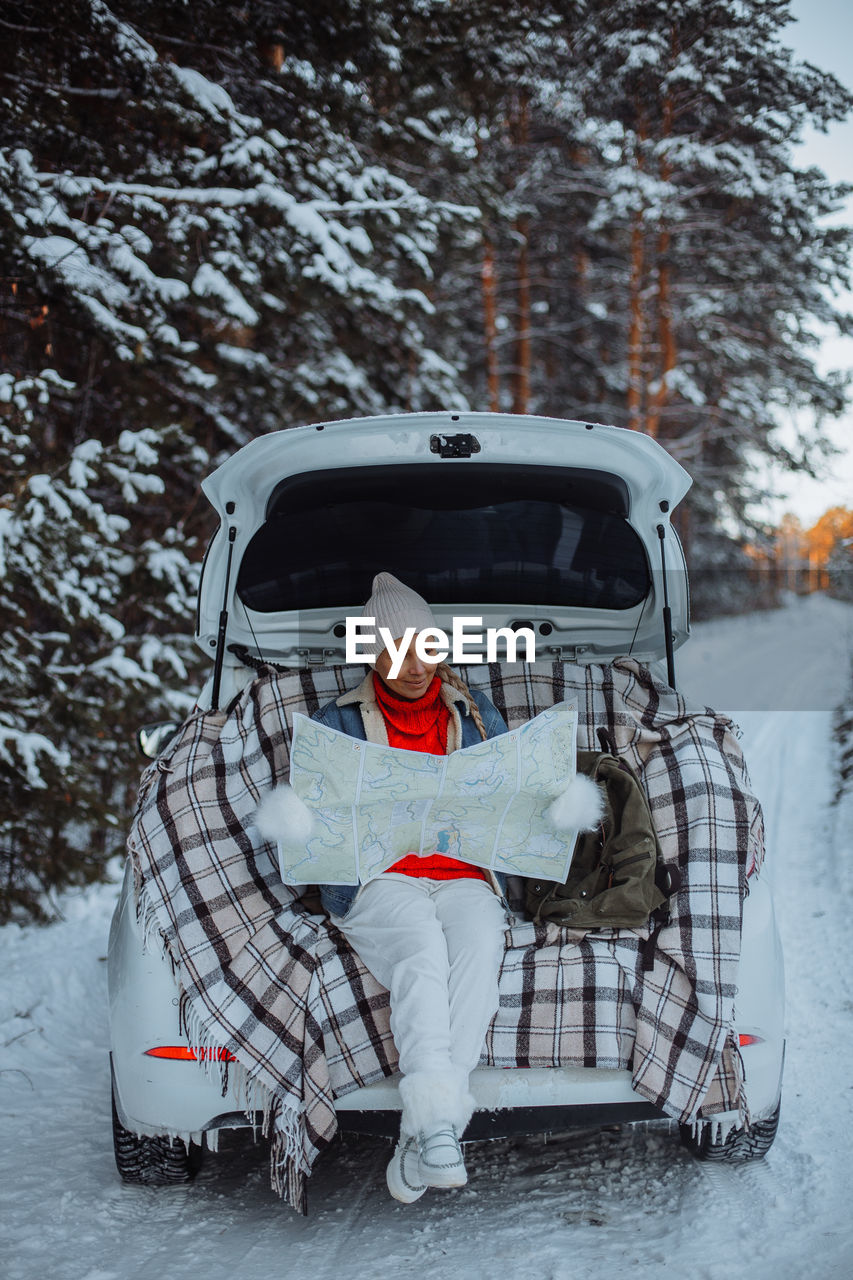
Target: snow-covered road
624,1202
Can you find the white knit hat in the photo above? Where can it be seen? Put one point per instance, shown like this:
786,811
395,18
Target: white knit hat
397,607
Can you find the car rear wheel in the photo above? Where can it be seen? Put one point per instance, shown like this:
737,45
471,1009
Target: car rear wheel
738,1146
153,1162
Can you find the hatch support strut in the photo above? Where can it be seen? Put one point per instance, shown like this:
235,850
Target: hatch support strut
667,614
223,624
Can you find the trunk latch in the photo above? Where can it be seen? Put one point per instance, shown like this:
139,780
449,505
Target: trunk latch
458,446
314,657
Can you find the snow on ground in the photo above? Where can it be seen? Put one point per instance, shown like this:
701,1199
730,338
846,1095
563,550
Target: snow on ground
791,659
620,1202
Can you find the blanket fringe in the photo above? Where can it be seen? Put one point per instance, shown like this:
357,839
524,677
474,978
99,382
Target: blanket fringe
740,1117
288,1177
744,1115
280,1115
153,938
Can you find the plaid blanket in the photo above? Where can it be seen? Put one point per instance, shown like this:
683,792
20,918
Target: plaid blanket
284,993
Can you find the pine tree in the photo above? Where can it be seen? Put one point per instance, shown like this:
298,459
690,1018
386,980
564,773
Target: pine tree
725,265
471,124
95,637
651,254
199,245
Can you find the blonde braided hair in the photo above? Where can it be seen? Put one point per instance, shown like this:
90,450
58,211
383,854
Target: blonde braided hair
444,673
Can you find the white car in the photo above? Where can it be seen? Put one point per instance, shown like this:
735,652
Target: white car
613,582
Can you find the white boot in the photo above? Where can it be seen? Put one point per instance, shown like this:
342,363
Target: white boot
435,1100
403,1173
441,1163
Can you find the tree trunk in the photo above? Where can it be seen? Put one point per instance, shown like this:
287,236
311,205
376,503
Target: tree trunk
637,325
636,329
668,354
521,389
521,399
488,276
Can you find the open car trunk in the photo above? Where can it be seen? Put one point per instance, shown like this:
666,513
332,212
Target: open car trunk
561,527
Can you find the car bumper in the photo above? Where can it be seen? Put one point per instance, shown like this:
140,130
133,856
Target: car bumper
186,1099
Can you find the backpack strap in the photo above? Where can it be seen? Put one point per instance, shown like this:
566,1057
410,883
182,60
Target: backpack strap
668,880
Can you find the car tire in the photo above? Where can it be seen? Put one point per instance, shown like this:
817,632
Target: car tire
738,1146
153,1161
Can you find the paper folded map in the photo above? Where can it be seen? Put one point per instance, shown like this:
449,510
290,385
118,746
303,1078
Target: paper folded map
486,804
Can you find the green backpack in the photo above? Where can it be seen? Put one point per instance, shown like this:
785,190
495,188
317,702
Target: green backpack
617,878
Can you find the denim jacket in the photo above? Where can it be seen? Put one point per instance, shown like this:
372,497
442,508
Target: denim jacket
358,714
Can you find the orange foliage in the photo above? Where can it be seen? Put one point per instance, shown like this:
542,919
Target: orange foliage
801,555
833,526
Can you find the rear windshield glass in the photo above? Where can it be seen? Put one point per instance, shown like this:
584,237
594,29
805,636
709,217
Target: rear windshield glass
517,536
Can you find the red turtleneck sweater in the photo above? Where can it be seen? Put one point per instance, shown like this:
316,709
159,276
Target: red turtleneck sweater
421,724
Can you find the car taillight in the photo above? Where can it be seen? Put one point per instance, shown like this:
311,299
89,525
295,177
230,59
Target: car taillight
745,1039
180,1053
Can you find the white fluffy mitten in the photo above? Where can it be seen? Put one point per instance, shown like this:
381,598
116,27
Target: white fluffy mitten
283,816
579,808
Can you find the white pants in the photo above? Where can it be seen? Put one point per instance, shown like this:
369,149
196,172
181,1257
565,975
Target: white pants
437,946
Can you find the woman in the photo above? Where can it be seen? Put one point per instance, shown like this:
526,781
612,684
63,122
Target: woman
430,928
